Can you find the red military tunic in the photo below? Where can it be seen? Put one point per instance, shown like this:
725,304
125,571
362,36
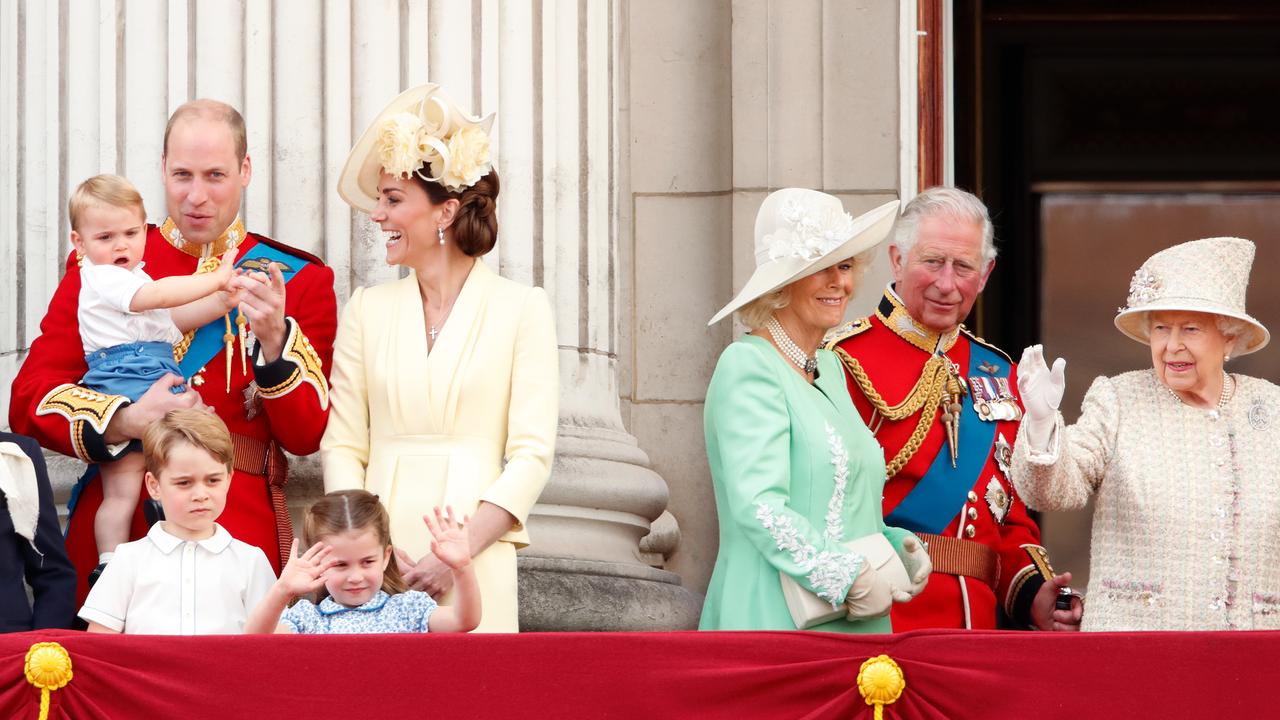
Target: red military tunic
288,410
892,349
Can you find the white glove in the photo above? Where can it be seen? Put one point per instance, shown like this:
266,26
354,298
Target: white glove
869,597
916,559
1041,390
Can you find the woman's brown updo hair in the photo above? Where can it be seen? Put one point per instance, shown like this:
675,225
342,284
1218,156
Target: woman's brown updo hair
475,227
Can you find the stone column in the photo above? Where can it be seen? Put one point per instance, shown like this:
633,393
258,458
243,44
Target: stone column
586,569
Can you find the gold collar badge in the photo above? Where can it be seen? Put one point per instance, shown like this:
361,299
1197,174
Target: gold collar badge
228,240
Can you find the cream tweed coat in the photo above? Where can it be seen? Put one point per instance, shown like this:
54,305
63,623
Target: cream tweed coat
1186,525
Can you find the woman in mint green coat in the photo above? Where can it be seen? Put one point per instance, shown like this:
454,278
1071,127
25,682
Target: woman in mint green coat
797,474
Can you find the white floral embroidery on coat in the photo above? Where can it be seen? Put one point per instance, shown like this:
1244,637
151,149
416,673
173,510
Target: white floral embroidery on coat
835,507
829,572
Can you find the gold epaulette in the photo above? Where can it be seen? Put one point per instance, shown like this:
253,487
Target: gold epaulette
840,333
76,403
307,367
985,344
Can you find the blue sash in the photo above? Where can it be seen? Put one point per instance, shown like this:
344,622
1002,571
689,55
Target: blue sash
933,502
208,342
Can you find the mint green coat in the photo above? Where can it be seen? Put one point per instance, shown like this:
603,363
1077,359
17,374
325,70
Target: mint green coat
796,473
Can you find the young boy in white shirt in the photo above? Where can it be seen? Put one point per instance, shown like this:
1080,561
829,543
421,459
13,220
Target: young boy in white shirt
129,323
188,576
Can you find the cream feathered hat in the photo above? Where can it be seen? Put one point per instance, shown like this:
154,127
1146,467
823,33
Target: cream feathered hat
799,232
1209,276
420,132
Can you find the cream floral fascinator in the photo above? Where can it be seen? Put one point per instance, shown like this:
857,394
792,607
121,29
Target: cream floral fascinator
421,132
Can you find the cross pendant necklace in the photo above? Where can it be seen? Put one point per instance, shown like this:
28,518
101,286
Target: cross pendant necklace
433,333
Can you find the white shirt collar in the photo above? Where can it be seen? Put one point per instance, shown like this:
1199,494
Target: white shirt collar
216,543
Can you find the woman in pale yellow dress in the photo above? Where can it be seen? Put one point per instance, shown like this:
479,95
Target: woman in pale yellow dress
445,383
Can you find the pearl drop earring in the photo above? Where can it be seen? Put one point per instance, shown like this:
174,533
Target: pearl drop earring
440,234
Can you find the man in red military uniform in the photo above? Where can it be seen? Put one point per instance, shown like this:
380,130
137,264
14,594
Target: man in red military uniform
263,370
944,406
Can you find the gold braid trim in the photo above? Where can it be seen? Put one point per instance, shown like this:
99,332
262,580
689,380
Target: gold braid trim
207,265
925,397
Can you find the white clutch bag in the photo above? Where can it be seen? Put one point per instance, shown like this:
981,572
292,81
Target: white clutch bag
808,609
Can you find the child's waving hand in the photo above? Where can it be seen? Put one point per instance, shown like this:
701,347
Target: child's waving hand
449,541
305,573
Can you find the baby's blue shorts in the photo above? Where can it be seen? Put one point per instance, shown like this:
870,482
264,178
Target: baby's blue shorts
130,369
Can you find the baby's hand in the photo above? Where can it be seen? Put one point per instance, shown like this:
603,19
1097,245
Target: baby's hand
227,268
305,574
449,540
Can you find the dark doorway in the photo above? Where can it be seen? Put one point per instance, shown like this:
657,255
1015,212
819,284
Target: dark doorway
1098,133
1144,93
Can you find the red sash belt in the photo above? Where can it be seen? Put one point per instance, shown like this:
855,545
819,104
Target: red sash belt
267,459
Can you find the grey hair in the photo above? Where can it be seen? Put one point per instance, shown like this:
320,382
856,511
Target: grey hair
757,312
946,202
1237,332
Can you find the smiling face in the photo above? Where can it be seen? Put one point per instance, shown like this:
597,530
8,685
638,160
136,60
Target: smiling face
941,276
1187,351
360,561
816,303
192,488
203,178
410,219
111,235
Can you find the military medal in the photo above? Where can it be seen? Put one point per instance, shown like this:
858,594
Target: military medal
1003,454
998,500
252,400
1007,399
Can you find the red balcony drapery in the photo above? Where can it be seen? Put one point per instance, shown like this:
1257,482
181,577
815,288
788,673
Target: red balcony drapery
949,674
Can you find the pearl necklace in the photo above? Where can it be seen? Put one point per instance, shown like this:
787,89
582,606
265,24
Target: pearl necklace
1224,396
790,350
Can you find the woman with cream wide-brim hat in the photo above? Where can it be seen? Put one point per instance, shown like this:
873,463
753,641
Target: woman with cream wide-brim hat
1183,457
445,383
797,475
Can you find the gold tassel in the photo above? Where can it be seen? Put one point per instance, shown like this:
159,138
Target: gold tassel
242,329
229,339
880,682
48,668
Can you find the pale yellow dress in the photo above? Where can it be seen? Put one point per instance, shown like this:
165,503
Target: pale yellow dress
474,419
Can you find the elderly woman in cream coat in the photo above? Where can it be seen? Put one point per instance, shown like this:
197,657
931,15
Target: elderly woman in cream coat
445,383
1183,457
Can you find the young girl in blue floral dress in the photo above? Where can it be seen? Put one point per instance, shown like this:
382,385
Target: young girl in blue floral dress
357,583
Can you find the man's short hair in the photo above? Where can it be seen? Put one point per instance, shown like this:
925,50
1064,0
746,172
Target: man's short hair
195,427
104,189
944,202
211,110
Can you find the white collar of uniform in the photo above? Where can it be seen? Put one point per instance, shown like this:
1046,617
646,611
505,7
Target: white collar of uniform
219,541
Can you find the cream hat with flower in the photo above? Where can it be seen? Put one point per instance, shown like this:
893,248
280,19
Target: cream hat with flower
1209,276
800,232
421,132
